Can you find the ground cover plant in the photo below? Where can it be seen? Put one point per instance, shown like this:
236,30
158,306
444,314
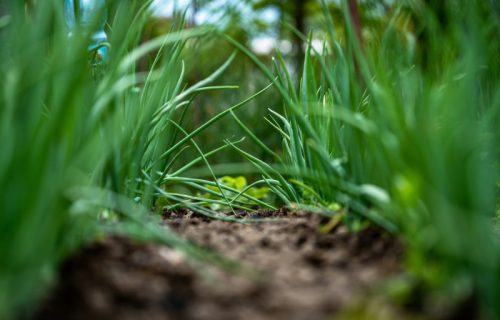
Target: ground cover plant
405,139
385,136
84,142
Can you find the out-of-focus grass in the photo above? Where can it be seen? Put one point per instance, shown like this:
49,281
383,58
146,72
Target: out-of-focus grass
402,131
81,147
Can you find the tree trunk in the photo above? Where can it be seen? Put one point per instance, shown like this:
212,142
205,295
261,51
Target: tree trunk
195,8
299,24
356,21
358,28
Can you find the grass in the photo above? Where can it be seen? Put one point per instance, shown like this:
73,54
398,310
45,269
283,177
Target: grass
408,145
399,131
83,146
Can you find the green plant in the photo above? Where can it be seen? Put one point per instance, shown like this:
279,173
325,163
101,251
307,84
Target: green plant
77,147
234,188
401,137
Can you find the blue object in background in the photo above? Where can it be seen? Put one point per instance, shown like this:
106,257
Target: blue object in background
82,13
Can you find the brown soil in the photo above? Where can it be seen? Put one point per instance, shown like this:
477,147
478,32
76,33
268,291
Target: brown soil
303,274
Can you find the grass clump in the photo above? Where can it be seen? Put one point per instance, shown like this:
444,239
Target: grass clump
398,130
401,130
81,147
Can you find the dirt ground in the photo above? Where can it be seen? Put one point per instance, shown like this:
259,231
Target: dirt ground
302,273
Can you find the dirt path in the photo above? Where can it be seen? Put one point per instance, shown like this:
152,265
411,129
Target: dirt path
304,274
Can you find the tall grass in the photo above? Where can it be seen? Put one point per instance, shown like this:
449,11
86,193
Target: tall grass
80,145
401,131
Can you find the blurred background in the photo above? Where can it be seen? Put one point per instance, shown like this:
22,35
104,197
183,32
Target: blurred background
406,110
264,26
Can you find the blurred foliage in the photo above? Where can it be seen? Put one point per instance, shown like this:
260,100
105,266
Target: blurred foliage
400,129
244,26
239,188
396,125
80,151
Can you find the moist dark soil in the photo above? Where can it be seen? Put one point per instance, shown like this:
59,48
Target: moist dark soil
297,272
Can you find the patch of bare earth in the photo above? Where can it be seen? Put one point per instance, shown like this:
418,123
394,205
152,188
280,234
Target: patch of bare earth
302,273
